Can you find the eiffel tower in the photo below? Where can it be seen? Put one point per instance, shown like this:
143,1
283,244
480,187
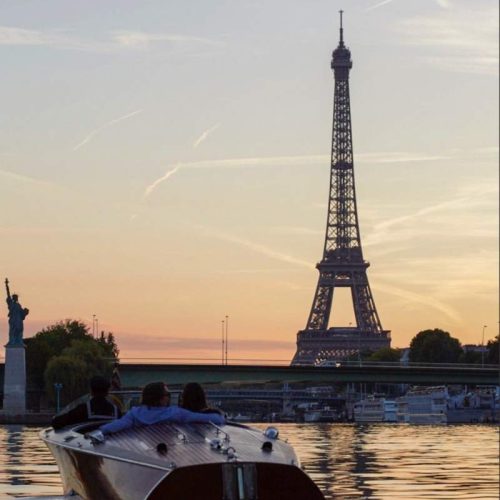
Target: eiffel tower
342,264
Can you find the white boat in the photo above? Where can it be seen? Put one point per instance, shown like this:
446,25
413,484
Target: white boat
323,414
178,461
423,405
435,405
375,409
478,406
390,410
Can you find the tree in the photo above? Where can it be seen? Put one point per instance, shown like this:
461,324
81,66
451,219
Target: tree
72,340
71,373
470,357
493,351
50,342
75,366
435,346
386,354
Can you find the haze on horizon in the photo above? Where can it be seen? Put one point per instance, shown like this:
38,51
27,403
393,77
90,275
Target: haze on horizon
165,164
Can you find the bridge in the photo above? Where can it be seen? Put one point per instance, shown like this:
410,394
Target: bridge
137,375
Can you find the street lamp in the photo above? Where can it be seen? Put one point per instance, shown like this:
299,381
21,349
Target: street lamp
222,329
227,323
58,386
482,346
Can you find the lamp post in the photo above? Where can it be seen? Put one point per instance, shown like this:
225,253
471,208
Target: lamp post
482,346
58,386
227,323
222,329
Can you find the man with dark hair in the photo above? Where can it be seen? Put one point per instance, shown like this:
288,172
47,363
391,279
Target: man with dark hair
98,407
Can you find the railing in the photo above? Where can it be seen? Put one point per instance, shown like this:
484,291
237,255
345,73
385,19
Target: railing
207,361
286,362
326,364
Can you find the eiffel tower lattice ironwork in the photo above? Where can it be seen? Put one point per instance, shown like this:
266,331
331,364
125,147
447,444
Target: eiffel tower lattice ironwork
342,264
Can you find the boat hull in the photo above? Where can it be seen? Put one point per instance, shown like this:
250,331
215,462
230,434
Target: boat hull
262,481
92,476
179,462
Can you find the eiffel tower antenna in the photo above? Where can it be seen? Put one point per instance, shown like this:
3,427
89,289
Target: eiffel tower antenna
341,28
342,264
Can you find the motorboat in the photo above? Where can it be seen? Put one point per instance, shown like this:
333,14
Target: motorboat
179,462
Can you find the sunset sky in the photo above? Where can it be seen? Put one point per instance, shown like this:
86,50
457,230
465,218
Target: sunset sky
166,163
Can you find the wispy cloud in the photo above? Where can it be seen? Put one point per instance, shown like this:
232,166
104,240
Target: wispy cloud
258,248
92,134
109,42
205,134
406,295
445,4
170,343
379,4
291,161
417,298
412,225
462,39
397,157
11,35
26,179
139,39
297,230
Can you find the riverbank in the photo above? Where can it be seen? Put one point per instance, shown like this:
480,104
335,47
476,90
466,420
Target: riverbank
29,418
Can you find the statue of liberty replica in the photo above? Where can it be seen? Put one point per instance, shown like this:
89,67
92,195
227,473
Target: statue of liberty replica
16,318
14,393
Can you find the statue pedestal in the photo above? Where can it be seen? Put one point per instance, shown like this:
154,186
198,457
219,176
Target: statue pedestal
14,391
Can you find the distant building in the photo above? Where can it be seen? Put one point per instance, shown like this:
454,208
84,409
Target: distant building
474,348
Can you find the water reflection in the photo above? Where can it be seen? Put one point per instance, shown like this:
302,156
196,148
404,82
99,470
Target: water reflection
346,461
26,466
399,461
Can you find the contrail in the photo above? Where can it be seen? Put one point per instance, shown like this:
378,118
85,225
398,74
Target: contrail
238,163
258,248
25,178
289,259
152,186
377,5
106,125
270,161
426,300
205,134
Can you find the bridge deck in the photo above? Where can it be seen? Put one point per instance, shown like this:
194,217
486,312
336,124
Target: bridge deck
137,375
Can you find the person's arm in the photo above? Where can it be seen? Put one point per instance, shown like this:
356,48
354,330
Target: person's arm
119,424
186,416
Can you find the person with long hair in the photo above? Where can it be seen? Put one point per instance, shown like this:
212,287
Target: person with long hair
155,407
193,398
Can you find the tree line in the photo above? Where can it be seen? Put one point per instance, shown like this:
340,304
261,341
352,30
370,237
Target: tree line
436,346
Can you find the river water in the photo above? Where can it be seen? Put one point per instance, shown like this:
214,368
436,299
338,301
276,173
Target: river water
346,461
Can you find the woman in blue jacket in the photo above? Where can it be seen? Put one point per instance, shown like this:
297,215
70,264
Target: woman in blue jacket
155,408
